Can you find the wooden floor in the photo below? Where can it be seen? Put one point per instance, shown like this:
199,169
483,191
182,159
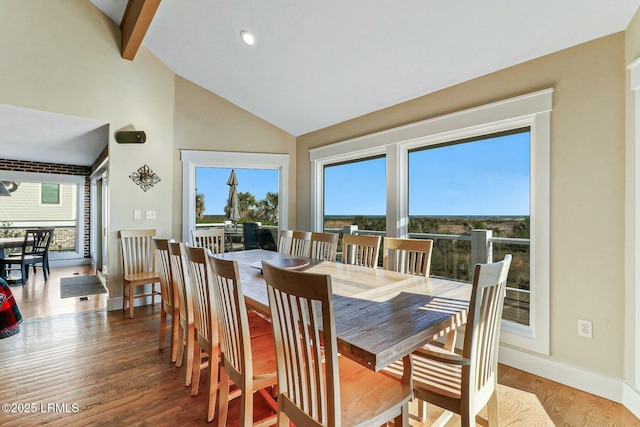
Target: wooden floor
94,367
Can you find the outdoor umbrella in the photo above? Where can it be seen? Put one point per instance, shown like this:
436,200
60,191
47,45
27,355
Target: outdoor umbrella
234,212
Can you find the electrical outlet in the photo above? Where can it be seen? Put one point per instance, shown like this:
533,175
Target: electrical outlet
585,328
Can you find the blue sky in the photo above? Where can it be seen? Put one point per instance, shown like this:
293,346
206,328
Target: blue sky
212,182
488,177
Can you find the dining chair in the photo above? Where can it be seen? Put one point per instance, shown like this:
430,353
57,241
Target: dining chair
249,362
409,256
465,383
265,239
35,250
186,329
168,292
205,323
212,239
316,386
360,250
293,242
284,241
324,246
138,266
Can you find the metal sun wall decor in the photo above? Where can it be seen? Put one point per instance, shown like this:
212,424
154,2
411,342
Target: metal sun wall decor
145,177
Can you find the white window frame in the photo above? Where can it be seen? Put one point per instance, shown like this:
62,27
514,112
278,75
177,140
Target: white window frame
192,159
78,180
533,111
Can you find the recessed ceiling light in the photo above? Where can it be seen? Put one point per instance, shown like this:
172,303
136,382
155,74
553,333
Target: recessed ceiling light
247,37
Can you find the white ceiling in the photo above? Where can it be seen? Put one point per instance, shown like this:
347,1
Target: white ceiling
40,136
317,63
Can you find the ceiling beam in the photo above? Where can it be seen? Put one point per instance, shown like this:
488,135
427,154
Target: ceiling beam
134,25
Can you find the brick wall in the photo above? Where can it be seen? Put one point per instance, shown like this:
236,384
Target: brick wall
58,169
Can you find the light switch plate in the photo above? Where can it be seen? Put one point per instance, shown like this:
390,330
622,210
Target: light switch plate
150,214
137,214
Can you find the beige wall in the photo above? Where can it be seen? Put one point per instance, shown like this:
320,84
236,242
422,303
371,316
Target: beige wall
63,56
632,211
205,121
587,184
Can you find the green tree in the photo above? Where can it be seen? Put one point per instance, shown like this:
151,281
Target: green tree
246,204
267,209
200,206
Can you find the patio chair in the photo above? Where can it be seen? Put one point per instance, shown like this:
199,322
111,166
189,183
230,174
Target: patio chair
265,239
35,250
250,241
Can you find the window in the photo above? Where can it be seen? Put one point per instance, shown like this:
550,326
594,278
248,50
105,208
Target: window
192,160
257,195
406,147
354,193
49,194
478,183
47,200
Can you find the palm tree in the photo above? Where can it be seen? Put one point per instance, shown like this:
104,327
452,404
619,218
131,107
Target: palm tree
200,207
268,208
246,203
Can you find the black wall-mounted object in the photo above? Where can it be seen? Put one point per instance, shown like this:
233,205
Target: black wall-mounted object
131,137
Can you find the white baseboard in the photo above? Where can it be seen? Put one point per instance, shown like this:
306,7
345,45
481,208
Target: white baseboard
614,389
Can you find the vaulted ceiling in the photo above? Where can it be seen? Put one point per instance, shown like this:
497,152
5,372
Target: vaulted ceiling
317,63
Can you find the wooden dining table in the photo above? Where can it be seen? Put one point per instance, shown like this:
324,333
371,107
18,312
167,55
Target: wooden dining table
380,316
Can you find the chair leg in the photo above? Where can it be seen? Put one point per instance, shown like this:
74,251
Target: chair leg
180,350
190,357
422,410
493,417
403,418
224,400
125,286
131,299
195,375
175,326
163,328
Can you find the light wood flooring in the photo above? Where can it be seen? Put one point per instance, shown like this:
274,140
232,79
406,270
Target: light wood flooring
73,363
